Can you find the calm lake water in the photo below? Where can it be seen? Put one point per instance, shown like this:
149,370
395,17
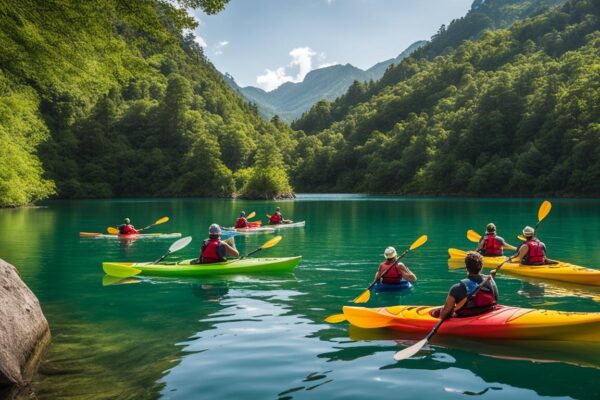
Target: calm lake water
263,337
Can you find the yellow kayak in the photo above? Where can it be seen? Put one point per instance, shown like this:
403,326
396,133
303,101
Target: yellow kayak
562,271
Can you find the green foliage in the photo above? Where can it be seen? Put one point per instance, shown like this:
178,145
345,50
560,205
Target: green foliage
515,112
116,101
267,179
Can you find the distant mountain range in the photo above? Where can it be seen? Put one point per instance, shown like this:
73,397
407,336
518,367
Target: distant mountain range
290,100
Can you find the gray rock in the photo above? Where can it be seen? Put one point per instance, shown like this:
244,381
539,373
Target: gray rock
24,331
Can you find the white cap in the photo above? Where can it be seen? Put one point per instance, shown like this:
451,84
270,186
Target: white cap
390,252
528,231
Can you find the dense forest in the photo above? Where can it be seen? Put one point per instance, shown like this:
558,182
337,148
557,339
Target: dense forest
514,112
115,98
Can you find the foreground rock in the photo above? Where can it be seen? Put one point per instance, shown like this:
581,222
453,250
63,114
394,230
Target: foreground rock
24,332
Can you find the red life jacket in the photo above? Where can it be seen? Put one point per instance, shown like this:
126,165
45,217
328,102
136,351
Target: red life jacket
536,254
483,301
492,247
210,251
126,229
392,276
275,218
241,222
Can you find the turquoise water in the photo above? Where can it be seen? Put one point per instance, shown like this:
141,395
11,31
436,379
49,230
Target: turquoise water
263,337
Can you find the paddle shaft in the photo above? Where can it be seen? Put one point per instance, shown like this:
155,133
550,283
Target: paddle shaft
387,269
464,301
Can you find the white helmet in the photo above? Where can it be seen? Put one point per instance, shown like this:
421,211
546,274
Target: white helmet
390,252
528,231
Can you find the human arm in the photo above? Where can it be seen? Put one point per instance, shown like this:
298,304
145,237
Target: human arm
480,245
449,306
230,251
407,273
505,245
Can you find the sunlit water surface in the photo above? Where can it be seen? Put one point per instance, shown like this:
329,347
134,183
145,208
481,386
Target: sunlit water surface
263,336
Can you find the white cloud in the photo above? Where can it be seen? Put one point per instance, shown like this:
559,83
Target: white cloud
325,65
201,42
301,62
219,47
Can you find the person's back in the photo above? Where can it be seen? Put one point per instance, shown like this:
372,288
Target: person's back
241,222
483,301
213,249
276,218
127,228
398,271
533,251
492,245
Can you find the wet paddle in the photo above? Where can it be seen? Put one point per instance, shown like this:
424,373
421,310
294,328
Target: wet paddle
270,243
178,245
366,295
115,231
335,318
415,348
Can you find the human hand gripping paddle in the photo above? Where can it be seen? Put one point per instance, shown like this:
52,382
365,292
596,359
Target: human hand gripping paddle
124,271
414,349
115,231
366,295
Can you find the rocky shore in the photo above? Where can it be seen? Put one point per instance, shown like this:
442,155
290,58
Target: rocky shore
24,333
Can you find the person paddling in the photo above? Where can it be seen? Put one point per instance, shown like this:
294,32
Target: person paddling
491,244
277,218
532,251
241,222
127,228
398,271
214,249
486,298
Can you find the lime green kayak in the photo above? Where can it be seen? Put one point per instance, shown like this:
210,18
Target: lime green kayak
184,268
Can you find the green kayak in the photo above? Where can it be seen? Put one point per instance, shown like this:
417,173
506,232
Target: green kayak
184,268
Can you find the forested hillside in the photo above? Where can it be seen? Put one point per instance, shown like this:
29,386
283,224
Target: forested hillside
484,15
516,112
113,98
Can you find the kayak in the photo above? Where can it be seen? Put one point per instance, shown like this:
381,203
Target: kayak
132,236
504,322
184,268
248,230
394,287
299,224
562,271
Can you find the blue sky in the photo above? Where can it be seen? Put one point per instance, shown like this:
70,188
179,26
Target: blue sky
265,43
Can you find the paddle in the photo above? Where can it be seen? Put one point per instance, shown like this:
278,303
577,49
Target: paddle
178,245
414,349
473,236
115,231
366,295
270,243
251,215
543,212
335,318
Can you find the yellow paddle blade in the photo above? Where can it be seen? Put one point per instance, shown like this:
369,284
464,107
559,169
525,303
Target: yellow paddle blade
456,253
596,298
363,297
473,236
268,216
112,231
335,318
272,242
251,215
522,238
544,210
419,242
162,221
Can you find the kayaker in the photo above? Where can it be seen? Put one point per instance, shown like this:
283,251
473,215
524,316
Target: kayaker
127,228
395,274
492,244
532,251
486,298
241,222
277,218
216,250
